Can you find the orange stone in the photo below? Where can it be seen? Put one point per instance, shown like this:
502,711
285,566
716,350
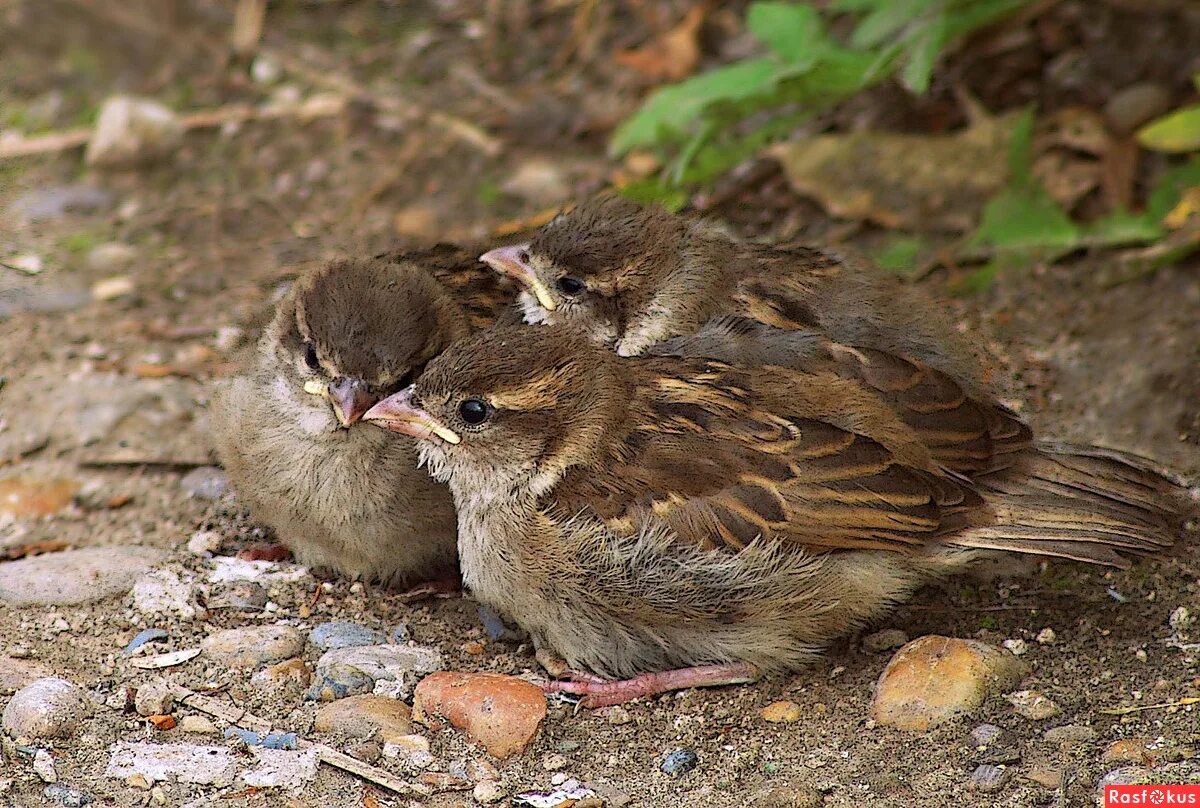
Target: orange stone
781,712
1129,750
500,713
23,497
933,679
162,722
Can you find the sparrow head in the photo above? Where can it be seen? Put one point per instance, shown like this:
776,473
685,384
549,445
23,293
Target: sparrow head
355,331
516,406
595,265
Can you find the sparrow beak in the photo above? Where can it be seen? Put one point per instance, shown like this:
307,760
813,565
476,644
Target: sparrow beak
350,399
397,413
514,262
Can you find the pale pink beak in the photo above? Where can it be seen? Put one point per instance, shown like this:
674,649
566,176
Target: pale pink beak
514,262
397,413
350,398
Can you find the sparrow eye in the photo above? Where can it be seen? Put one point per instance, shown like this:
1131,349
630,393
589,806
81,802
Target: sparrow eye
310,356
571,286
523,257
474,411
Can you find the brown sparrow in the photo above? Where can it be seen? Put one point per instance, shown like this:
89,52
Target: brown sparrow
340,494
644,515
633,277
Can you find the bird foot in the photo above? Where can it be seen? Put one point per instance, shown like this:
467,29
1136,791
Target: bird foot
448,586
597,692
264,551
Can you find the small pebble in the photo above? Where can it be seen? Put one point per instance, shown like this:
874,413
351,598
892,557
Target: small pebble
339,634
362,716
1017,647
245,596
162,723
1033,705
1069,736
43,766
487,792
66,796
985,734
988,778
618,715
1047,636
558,778
399,634
501,713
286,680
679,761
112,287
334,682
1129,750
554,762
884,640
154,698
474,648
197,725
411,750
1046,776
205,482
111,258
48,708
781,712
253,646
204,542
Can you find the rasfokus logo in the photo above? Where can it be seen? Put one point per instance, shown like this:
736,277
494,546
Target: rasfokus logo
1151,795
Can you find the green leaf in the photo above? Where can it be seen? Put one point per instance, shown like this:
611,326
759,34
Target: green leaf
900,253
1025,218
1178,131
1020,150
654,192
1170,186
885,21
793,32
677,105
922,56
1122,228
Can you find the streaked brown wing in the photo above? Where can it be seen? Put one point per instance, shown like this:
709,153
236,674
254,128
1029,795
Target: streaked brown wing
485,295
964,434
707,460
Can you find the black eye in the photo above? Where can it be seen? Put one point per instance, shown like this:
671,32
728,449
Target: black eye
523,257
310,356
473,411
571,286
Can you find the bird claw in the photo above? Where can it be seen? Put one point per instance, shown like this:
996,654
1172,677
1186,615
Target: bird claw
599,692
446,587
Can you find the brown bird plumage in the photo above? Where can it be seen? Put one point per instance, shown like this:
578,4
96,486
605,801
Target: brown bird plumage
341,495
646,514
633,277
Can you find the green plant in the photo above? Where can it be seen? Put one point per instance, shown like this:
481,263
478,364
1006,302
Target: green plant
711,121
1023,224
1177,131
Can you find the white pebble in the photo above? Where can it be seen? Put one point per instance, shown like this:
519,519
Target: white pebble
43,766
1047,636
1018,647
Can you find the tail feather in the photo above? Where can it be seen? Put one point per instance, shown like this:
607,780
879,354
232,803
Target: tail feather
1084,503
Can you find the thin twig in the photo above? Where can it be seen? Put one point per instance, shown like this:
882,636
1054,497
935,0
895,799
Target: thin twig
340,760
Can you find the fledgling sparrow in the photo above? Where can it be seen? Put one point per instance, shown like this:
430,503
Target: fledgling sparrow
633,277
639,516
341,495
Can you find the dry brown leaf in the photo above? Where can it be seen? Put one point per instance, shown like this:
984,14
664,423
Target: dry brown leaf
672,55
918,182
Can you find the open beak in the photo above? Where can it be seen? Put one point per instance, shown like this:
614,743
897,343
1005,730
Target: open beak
514,262
350,399
397,413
